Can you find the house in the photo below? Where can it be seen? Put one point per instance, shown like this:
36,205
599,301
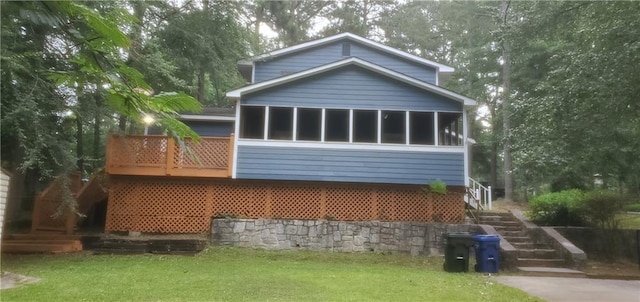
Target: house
338,128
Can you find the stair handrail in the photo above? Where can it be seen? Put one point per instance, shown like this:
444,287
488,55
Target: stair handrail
469,207
481,194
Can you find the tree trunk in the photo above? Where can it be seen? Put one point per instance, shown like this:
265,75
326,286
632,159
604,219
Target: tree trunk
506,107
79,143
201,82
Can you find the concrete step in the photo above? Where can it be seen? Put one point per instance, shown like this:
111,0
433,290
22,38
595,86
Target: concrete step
529,245
519,233
550,272
541,262
492,214
502,223
501,229
519,239
537,253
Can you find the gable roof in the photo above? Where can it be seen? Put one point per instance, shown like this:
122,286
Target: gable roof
238,93
440,67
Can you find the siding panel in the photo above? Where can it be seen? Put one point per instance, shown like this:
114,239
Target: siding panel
213,129
418,71
324,54
352,87
348,165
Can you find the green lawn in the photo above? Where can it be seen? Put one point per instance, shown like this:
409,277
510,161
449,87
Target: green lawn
629,221
232,274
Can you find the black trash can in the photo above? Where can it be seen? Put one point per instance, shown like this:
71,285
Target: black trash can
487,249
456,253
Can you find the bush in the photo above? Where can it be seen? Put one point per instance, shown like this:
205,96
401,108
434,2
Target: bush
601,208
557,208
438,186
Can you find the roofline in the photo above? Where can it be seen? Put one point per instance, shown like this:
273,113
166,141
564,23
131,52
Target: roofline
237,93
440,67
197,117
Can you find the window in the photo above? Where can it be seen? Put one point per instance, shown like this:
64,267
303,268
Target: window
252,122
365,126
336,125
309,123
280,123
450,128
421,125
393,127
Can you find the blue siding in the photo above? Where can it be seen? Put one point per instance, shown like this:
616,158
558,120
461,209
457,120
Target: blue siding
213,129
348,165
412,69
352,87
324,54
274,68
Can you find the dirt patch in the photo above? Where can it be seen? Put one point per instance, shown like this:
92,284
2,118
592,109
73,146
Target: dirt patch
11,280
614,270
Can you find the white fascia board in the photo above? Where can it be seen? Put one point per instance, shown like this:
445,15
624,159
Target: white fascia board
195,117
441,68
236,94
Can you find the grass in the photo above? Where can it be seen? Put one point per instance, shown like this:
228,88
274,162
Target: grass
233,274
629,221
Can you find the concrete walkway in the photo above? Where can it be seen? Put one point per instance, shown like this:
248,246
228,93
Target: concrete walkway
555,289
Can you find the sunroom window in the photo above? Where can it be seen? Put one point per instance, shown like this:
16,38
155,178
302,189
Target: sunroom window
421,125
365,126
252,122
309,124
336,125
393,127
280,123
450,129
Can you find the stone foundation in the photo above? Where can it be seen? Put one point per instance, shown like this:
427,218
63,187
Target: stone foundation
340,236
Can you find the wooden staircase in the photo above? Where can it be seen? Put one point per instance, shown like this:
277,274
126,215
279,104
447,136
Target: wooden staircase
51,234
534,258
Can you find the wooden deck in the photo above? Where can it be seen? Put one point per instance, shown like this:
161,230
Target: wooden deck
153,155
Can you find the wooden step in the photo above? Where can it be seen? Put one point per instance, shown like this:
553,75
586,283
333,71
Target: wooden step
43,236
541,262
550,272
20,247
537,253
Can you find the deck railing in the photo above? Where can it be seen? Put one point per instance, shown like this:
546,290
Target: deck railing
153,155
481,197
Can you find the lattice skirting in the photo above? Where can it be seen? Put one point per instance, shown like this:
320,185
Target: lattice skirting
172,205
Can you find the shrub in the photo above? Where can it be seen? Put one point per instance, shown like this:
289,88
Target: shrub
438,186
601,208
557,208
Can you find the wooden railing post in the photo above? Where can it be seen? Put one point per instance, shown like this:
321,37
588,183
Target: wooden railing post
230,162
170,153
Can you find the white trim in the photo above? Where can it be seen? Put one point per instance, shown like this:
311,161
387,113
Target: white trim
266,123
322,124
196,117
441,68
466,148
350,126
435,128
253,73
379,140
406,127
294,125
237,93
351,146
235,142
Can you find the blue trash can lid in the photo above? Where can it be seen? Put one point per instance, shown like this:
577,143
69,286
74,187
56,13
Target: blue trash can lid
490,238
